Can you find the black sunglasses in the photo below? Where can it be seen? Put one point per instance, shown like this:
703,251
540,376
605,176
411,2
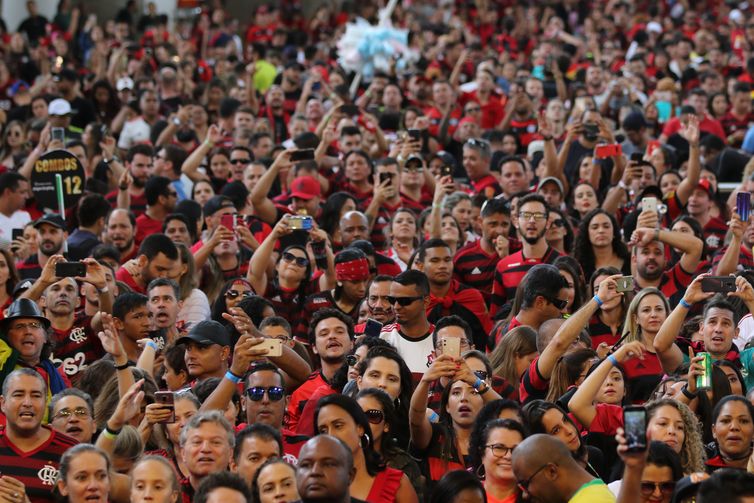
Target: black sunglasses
403,301
299,261
240,161
256,393
648,488
375,416
559,222
234,294
559,303
352,360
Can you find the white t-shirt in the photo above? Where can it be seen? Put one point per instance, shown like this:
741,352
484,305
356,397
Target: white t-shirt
415,352
16,221
745,332
134,131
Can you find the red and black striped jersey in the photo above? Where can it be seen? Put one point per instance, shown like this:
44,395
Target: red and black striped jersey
384,215
600,332
642,376
745,259
76,348
287,303
36,469
525,130
314,303
475,267
509,273
138,203
29,268
714,234
673,281
533,385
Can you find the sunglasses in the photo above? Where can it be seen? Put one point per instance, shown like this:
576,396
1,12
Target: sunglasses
352,360
256,393
403,301
648,488
234,294
559,222
480,144
559,303
375,416
481,374
240,161
299,261
471,110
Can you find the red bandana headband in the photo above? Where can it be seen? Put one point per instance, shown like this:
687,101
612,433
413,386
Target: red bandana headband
353,270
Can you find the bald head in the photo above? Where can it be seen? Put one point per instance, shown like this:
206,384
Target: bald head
325,470
547,331
353,225
544,466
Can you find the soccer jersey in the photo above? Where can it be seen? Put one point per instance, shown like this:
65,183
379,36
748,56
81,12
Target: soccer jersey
509,273
77,347
415,352
475,267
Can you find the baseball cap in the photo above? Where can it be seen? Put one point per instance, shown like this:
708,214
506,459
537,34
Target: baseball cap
705,186
206,333
634,121
414,159
554,180
124,83
305,187
18,86
59,107
52,219
215,204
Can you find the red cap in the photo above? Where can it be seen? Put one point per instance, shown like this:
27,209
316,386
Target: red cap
466,119
705,185
305,187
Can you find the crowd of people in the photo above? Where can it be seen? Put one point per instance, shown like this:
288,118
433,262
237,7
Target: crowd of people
501,267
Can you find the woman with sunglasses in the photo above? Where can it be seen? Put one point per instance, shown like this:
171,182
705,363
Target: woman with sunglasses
231,294
599,244
661,471
379,409
342,417
291,282
559,234
494,452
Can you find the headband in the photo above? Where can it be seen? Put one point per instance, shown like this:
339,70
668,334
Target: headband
353,270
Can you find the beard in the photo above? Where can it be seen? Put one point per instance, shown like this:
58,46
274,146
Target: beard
651,276
49,248
534,240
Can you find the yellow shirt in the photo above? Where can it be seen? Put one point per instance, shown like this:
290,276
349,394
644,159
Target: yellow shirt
593,492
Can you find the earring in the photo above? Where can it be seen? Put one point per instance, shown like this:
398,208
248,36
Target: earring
480,472
365,441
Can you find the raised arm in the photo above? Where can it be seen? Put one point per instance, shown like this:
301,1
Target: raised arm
257,274
551,152
421,429
263,205
443,188
582,402
729,261
690,132
111,343
191,165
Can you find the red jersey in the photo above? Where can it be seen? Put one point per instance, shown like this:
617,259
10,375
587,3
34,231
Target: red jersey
77,347
145,226
509,273
476,268
301,395
466,302
138,203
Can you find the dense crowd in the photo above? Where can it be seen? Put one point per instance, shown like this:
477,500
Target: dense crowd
495,265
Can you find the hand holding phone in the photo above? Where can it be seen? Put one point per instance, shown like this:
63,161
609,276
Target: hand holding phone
70,269
743,205
372,328
451,346
167,400
635,427
719,284
624,284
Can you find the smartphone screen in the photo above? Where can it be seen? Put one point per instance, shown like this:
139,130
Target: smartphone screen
372,328
635,427
743,204
166,399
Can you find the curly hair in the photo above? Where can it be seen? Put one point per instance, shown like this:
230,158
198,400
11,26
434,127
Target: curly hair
692,450
583,250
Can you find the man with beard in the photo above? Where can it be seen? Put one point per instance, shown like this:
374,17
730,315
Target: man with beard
531,222
475,263
331,338
51,234
325,471
164,304
476,162
74,334
446,295
139,166
648,260
378,307
120,232
161,199
154,260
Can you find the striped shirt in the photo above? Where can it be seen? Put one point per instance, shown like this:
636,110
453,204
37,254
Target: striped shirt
314,303
475,267
509,273
77,347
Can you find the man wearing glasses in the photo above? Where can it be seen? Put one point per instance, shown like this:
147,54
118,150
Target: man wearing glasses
72,413
531,223
161,199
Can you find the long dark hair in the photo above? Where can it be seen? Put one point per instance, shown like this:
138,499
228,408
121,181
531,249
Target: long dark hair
329,219
374,461
481,433
454,482
304,285
571,266
534,411
390,439
583,251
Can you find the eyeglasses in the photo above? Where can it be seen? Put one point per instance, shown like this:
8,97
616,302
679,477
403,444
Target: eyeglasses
234,294
81,412
410,169
480,144
375,416
559,303
352,360
559,222
524,484
528,215
256,393
299,261
481,374
240,161
23,326
403,301
500,450
648,488
471,110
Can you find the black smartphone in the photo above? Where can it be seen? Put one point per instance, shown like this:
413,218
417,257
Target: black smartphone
446,170
16,233
386,176
166,399
70,269
350,110
305,154
372,328
414,134
637,157
719,284
635,427
58,134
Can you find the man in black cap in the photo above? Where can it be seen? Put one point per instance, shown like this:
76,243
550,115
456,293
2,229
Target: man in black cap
51,234
82,110
207,350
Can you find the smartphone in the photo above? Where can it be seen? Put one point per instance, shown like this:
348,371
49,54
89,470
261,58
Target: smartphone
743,204
637,157
274,347
591,131
414,134
649,203
721,284
305,154
58,133
446,170
300,222
605,151
451,346
624,284
372,328
166,399
386,176
70,269
350,110
228,221
16,233
635,427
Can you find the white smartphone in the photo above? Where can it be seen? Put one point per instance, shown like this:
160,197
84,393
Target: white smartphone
274,347
649,203
451,346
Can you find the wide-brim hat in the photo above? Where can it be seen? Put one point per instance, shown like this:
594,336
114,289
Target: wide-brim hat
23,308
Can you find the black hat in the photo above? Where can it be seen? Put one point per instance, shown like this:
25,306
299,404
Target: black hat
24,308
21,287
206,333
51,218
634,121
215,204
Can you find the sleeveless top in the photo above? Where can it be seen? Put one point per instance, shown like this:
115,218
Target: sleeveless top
385,486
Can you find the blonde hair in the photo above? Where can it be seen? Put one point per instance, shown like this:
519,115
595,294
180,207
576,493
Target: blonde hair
631,328
692,450
518,342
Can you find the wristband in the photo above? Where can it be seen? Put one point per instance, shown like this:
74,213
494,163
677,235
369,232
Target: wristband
477,384
688,394
151,344
233,377
434,417
110,433
598,300
547,138
124,366
122,188
657,235
683,303
612,359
